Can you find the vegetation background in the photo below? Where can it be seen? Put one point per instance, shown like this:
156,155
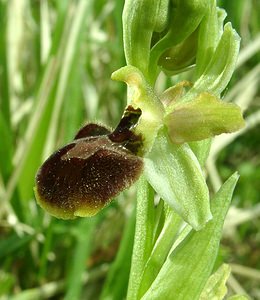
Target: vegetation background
56,58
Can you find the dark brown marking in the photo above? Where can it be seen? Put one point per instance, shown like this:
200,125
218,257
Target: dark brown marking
123,133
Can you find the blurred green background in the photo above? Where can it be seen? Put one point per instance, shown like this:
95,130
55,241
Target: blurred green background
56,59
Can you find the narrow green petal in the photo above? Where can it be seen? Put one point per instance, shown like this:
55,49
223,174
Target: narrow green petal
173,94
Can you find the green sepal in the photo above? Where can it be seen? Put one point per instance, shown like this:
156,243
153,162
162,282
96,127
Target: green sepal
201,149
215,288
202,118
210,31
220,68
191,262
175,174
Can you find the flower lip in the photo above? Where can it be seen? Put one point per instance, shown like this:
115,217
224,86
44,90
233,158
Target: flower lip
84,176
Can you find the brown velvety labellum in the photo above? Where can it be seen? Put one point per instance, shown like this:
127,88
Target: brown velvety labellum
82,177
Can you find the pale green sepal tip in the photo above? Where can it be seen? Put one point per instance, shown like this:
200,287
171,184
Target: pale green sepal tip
204,117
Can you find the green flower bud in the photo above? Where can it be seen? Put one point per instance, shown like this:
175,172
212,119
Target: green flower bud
210,31
178,58
140,19
179,42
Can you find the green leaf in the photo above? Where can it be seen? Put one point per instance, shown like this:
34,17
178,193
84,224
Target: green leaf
46,291
175,174
7,282
6,149
202,118
215,288
238,297
5,98
78,262
186,270
13,244
160,250
143,241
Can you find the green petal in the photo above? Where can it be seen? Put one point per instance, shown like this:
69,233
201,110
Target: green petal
202,118
175,174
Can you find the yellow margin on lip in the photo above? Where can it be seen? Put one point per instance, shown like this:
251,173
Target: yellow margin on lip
62,213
